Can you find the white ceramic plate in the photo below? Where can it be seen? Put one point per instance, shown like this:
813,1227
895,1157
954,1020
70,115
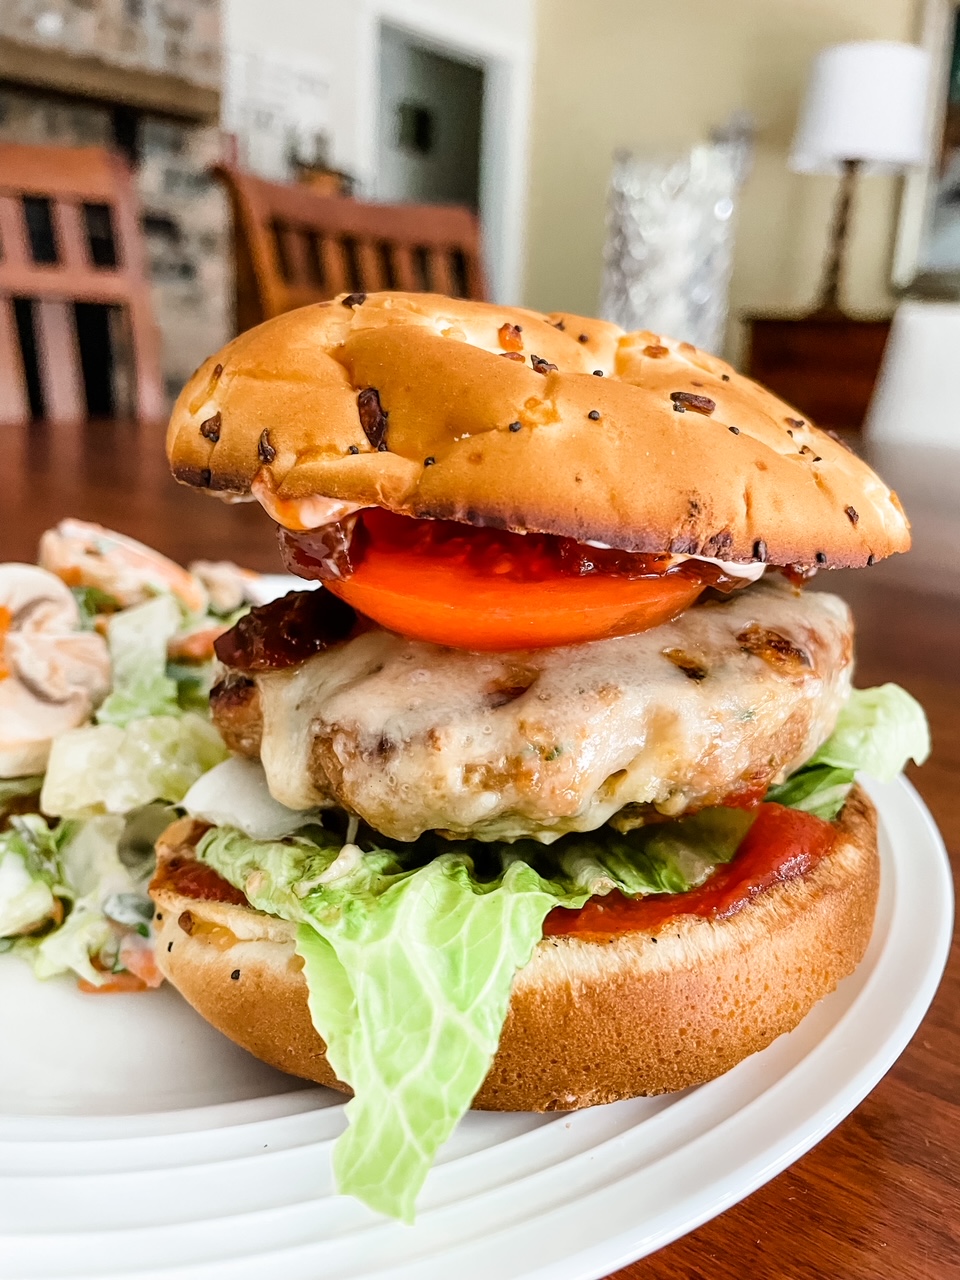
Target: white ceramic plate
238,1187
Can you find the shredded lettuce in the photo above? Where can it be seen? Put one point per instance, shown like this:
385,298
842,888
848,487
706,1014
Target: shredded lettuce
69,893
32,881
30,876
108,769
138,640
92,602
91,864
877,732
39,847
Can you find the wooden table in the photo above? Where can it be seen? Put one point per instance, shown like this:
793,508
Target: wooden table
879,1197
826,363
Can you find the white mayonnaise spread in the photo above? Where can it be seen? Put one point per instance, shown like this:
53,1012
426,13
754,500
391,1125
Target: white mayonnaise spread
302,514
750,571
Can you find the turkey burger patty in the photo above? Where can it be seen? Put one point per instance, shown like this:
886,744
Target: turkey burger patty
412,737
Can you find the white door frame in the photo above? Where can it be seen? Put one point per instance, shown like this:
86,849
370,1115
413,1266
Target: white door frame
506,62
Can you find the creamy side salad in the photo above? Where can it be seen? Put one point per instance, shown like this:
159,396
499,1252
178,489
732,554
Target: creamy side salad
106,657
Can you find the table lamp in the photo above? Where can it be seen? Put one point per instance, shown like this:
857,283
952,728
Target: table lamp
865,110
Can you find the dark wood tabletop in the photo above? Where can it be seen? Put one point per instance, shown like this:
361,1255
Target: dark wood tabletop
880,1196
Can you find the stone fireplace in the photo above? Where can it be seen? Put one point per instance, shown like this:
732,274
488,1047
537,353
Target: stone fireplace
142,77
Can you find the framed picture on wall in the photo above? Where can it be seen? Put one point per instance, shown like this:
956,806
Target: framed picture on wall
926,255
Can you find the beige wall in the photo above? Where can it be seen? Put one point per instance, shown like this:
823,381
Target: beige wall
659,74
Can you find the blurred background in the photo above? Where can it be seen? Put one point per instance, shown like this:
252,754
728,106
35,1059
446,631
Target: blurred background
570,129
777,181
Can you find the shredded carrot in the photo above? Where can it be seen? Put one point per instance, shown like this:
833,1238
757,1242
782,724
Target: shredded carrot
119,982
6,617
139,959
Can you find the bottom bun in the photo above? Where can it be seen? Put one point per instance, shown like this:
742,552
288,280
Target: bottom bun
589,1021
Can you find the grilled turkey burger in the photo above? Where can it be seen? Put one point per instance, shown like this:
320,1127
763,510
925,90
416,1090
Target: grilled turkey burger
546,797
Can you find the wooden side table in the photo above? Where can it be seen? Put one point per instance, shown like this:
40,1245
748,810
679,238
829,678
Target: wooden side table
824,364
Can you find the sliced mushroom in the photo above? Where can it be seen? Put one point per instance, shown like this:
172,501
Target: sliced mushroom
52,674
87,555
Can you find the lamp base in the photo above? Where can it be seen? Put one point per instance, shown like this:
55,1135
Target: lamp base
829,300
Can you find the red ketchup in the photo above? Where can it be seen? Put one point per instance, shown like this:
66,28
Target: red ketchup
783,844
194,879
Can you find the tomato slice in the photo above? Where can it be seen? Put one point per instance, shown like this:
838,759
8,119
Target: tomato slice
483,589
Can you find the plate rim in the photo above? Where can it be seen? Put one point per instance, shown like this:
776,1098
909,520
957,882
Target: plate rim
899,807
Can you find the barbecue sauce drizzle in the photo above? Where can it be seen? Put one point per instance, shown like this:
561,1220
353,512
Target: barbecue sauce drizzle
336,551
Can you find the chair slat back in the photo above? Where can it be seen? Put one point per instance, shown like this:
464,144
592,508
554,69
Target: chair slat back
70,232
295,247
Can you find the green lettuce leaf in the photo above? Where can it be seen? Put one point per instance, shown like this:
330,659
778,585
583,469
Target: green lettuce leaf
817,789
108,769
138,640
194,682
410,952
26,902
877,732
90,864
92,602
33,884
31,876
410,995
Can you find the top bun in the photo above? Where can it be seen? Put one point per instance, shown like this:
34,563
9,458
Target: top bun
406,401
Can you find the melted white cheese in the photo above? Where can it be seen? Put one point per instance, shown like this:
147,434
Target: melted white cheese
415,737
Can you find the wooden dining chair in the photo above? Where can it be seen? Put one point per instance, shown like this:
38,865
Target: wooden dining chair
69,233
294,247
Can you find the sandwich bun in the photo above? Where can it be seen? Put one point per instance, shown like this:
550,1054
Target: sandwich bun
444,409
589,1021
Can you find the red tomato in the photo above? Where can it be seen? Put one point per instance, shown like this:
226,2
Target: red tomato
484,589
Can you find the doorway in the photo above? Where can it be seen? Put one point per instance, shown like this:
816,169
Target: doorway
429,129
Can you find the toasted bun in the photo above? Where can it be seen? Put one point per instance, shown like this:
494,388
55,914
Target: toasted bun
589,1022
276,414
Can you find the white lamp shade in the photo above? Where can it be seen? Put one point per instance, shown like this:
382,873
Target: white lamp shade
865,101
